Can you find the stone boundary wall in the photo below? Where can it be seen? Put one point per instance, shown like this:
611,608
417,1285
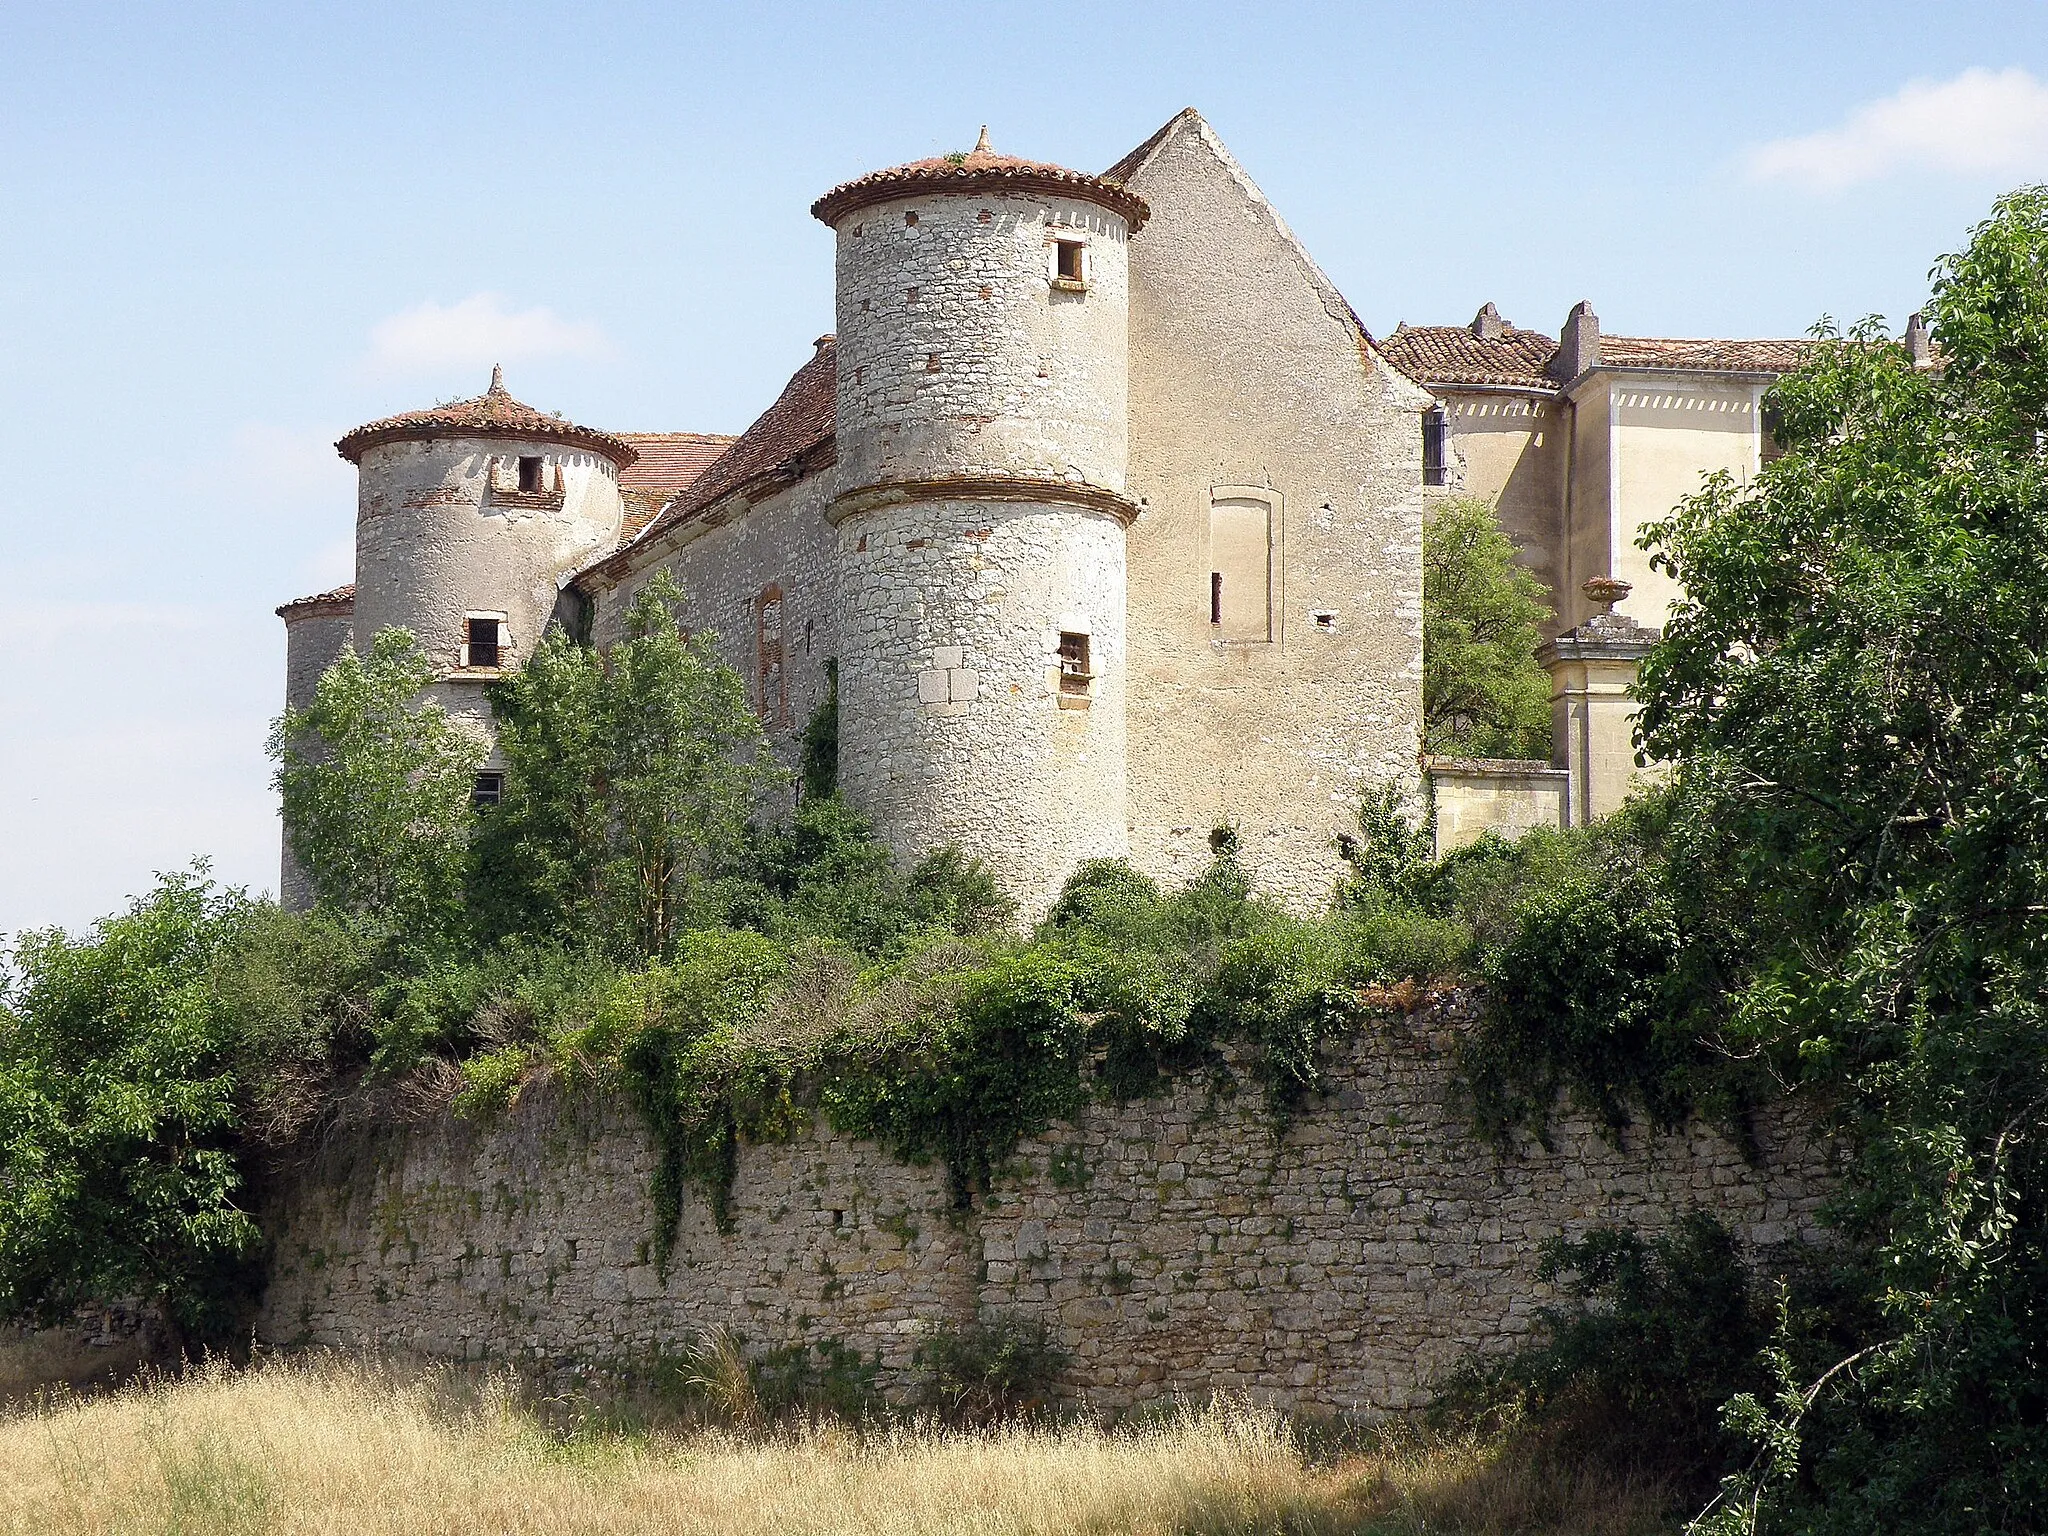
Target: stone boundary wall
1172,1244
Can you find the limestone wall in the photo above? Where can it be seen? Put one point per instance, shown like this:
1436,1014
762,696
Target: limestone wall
1474,796
1173,1244
1250,386
958,354
955,724
438,536
726,568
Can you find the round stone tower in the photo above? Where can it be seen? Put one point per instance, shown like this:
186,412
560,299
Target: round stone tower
467,517
981,440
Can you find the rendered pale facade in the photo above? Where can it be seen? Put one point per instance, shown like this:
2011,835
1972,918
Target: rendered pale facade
1102,504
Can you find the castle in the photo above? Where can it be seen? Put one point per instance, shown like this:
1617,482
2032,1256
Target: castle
1106,507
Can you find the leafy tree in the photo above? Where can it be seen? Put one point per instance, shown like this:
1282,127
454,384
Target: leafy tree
1856,685
376,788
632,777
118,1114
1482,693
542,851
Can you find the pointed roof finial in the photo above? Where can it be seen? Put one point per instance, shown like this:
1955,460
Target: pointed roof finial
497,379
981,145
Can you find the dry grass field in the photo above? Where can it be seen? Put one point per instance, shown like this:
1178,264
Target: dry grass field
322,1444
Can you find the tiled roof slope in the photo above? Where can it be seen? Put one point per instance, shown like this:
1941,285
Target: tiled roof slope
1781,356
340,600
1455,354
494,413
979,168
1452,354
668,463
799,421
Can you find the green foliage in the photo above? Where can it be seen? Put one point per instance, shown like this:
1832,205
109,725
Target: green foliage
632,779
989,1370
1483,695
376,789
1579,999
1854,683
118,1111
825,874
1651,1339
699,1080
828,1378
818,772
994,1056
1386,855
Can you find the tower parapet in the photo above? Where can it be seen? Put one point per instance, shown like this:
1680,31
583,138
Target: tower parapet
981,423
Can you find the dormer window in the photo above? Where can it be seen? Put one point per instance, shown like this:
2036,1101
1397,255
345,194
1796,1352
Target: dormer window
529,474
1069,265
483,640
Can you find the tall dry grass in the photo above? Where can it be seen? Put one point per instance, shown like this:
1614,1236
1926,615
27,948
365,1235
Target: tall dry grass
324,1445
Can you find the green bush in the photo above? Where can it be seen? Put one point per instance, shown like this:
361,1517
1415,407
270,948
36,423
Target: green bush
989,1370
993,1056
120,1172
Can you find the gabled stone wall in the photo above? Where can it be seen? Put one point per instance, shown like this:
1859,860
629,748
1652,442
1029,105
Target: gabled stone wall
1173,1244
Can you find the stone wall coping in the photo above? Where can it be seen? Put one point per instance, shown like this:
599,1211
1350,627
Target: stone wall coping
1494,767
1024,488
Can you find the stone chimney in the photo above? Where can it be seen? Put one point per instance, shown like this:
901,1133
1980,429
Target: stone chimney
1919,344
1487,325
1578,344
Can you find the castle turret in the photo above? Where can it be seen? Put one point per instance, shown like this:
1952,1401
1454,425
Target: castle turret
981,423
467,517
316,632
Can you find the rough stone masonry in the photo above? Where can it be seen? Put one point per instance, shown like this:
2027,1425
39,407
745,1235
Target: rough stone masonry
1172,1244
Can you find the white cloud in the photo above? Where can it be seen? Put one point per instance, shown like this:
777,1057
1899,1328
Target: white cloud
1982,123
477,332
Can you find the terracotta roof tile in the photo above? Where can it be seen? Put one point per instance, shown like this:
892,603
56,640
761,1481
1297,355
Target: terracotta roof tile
1452,354
494,413
341,600
668,462
799,421
981,168
1455,354
1712,356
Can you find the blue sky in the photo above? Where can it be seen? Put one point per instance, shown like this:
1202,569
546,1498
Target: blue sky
232,232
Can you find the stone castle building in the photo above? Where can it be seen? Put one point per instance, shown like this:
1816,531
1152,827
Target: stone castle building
1108,510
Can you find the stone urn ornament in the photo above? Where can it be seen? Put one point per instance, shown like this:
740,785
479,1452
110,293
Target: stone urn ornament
1605,592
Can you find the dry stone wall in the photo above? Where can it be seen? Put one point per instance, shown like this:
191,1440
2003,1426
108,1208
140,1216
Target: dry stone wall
1173,1244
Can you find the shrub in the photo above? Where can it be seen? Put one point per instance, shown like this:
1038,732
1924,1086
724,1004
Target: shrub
991,1369
119,1169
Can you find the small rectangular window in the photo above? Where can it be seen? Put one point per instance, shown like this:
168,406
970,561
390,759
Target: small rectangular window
489,790
1069,259
482,641
529,474
1074,674
1435,431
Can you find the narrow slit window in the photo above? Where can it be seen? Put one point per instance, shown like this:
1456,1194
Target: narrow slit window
1075,675
1435,446
1215,597
483,645
529,474
489,789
